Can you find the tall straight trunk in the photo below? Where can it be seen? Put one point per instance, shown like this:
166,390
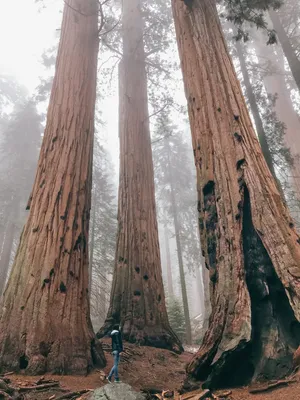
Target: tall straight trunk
137,297
187,320
249,241
169,265
6,254
275,84
289,51
4,224
45,317
2,233
200,289
254,109
92,245
102,296
13,214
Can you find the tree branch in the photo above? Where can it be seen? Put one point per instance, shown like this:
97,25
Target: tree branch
111,48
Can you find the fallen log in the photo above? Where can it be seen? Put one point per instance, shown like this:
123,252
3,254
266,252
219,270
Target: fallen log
151,390
40,381
38,387
223,394
168,394
70,395
198,396
271,386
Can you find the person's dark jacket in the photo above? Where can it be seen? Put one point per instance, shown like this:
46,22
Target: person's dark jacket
116,338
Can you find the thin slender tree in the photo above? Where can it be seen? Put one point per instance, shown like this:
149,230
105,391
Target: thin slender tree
289,51
17,173
172,170
45,324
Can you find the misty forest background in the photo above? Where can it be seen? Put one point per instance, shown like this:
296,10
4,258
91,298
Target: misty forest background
272,97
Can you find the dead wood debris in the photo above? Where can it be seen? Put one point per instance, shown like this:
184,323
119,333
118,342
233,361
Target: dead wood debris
271,386
196,395
20,390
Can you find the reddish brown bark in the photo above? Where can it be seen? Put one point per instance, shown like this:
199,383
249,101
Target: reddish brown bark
248,238
137,297
45,323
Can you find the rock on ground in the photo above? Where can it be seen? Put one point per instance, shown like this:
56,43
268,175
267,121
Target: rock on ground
116,391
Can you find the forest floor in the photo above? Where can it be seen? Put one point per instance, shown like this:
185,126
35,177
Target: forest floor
142,368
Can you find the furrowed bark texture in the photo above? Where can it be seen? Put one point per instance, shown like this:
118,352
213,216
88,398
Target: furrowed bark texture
248,238
137,297
45,323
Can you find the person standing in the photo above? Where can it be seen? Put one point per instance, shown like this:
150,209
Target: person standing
117,349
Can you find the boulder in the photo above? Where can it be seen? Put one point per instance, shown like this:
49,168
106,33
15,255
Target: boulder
116,391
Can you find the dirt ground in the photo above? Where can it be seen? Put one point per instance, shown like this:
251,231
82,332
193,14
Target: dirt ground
142,368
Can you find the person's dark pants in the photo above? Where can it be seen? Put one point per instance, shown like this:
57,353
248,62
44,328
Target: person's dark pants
115,368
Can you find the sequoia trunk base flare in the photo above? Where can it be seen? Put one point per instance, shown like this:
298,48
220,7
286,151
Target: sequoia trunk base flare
248,238
137,296
45,318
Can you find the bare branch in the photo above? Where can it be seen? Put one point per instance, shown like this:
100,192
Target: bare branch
111,48
102,19
153,51
158,111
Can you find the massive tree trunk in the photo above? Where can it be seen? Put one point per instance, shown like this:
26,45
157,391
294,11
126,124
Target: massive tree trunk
248,238
45,323
137,296
187,320
169,265
289,52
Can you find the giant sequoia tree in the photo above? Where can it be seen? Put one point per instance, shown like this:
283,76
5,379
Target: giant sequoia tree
137,297
248,238
45,323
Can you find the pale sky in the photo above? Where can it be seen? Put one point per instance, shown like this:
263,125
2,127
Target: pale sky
24,34
26,30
